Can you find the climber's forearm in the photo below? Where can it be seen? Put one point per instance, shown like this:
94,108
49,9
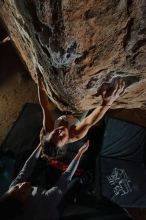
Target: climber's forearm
48,123
82,129
96,115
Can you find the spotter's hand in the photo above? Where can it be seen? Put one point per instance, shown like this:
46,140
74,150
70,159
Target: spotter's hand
84,148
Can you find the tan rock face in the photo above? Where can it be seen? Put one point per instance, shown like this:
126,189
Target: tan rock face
16,88
78,45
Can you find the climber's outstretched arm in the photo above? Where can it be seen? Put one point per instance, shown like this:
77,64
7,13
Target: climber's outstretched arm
108,97
48,123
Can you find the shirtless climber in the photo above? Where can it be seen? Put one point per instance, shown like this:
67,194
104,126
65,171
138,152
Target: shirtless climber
65,130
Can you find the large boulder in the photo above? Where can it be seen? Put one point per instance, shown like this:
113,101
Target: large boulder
78,45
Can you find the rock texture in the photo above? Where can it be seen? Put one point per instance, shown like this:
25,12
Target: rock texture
15,83
78,45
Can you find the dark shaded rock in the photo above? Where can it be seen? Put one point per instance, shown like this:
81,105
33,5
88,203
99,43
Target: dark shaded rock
78,45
